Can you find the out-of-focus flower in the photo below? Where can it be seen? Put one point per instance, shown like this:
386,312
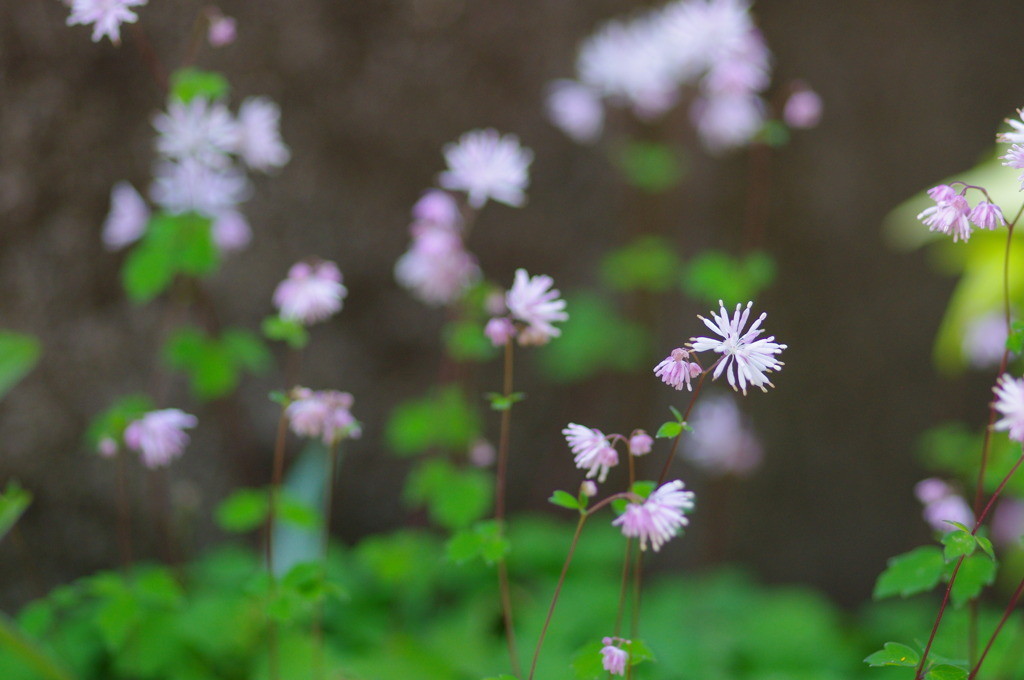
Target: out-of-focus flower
499,331
107,447
1017,136
677,370
987,216
942,505
324,415
591,450
658,518
614,659
257,135
949,215
222,31
726,121
588,488
105,15
230,231
482,453
1014,158
575,109
533,301
745,358
722,442
984,340
159,436
127,219
640,443
803,108
438,208
1009,402
311,292
200,130
1008,522
437,268
487,165
191,185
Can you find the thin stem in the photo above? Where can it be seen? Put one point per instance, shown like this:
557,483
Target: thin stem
1006,615
277,474
124,529
675,442
558,590
623,586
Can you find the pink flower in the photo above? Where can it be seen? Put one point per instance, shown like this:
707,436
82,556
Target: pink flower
192,185
230,231
533,301
487,165
324,415
159,436
126,222
107,15
984,340
312,292
640,443
949,215
803,109
201,130
676,371
1017,136
437,268
592,450
658,518
438,208
499,331
575,109
107,447
722,442
614,659
222,31
588,488
987,216
1010,403
727,120
257,136
745,358
1008,522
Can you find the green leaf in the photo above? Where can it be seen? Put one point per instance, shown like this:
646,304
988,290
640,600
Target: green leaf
500,402
189,83
976,572
295,512
650,166
483,539
112,422
715,275
147,272
287,330
894,654
913,572
465,341
172,244
246,350
643,488
19,354
774,133
565,500
1015,340
669,430
958,543
676,413
946,672
503,676
244,510
454,498
441,420
13,503
649,263
986,545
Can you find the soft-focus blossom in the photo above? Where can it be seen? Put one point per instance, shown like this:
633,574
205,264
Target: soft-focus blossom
257,135
640,443
1017,136
1009,402
575,109
658,518
438,208
107,447
722,441
533,301
614,659
159,436
192,185
677,370
588,488
984,340
932,490
1008,522
592,450
312,292
942,505
324,415
950,214
745,357
222,31
987,216
437,268
727,121
482,453
127,219
487,165
106,15
1014,158
200,130
499,331
230,231
803,109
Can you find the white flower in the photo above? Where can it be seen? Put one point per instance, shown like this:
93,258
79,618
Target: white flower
592,450
312,292
107,15
230,231
1010,403
127,219
534,301
258,138
200,130
745,359
159,436
726,121
192,185
659,518
487,165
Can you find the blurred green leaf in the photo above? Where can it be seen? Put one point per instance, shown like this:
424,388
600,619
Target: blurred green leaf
244,510
213,365
295,512
649,263
1015,341
669,430
464,340
976,572
454,497
13,503
958,543
565,500
172,244
112,422
714,275
442,420
894,654
287,330
246,350
484,540
189,83
946,672
19,353
500,402
913,572
650,166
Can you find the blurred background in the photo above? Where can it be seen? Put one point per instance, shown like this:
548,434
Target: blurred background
370,92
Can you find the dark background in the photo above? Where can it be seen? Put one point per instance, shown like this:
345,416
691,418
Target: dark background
370,91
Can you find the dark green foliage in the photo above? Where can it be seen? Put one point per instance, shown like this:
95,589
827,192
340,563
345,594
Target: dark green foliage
189,83
650,166
714,275
649,263
19,354
214,365
172,245
441,420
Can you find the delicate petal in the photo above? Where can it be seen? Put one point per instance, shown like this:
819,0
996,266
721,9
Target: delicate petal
658,518
722,441
1009,402
487,165
127,219
324,415
745,358
437,268
107,15
676,370
575,109
987,216
613,659
159,436
258,137
200,130
533,301
312,292
592,450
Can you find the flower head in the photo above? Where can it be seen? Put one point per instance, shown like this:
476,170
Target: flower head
487,165
159,436
942,504
613,658
533,301
1017,136
221,32
987,216
677,370
499,331
257,135
745,357
658,518
1010,403
437,268
201,130
722,441
127,219
592,450
312,292
230,231
640,443
106,15
949,215
803,108
437,208
324,415
575,109
192,185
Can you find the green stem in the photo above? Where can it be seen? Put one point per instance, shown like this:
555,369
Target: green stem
29,651
675,442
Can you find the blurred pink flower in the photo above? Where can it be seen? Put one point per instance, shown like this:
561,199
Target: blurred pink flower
257,135
614,659
722,442
437,268
201,130
658,518
575,109
311,293
499,331
487,165
126,222
592,450
230,231
191,185
640,443
676,370
1009,402
942,504
222,31
159,436
803,108
533,301
324,415
438,208
106,15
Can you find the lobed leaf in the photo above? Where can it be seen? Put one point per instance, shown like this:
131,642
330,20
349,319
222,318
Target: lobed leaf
894,654
913,572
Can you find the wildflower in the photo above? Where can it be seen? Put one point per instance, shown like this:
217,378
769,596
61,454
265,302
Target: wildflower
230,231
324,415
107,447
613,658
803,108
640,443
1008,522
658,518
1010,403
592,450
488,166
676,370
722,442
984,340
482,453
1017,136
159,436
987,216
726,121
127,219
1014,158
437,208
192,186
437,268
107,15
257,135
533,301
942,504
222,31
312,292
201,130
575,109
499,331
588,488
745,358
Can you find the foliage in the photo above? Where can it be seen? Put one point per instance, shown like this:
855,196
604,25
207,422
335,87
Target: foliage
19,354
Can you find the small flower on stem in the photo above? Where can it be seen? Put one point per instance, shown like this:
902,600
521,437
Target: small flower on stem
592,450
640,443
533,301
499,331
257,135
803,108
658,518
325,415
677,371
107,15
987,215
942,505
1017,136
950,214
201,130
487,165
222,31
159,436
745,358
312,292
613,658
1009,402
438,208
588,488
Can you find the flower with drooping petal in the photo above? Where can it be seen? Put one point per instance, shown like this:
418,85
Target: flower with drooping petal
533,301
721,441
949,215
588,488
613,658
1009,402
258,135
499,331
677,370
106,15
324,415
159,436
987,216
312,292
746,359
658,518
127,219
640,443
201,130
1014,158
575,109
592,450
487,165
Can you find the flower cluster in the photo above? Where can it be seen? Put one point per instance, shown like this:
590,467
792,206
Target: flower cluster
722,442
158,437
660,517
952,214
312,292
105,15
942,505
677,370
532,301
198,143
325,415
